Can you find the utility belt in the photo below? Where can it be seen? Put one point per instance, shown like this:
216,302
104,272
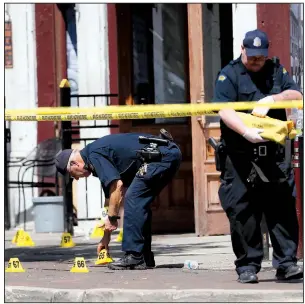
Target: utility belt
258,153
261,151
151,152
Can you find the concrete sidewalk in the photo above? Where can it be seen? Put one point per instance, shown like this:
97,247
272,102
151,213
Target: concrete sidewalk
48,278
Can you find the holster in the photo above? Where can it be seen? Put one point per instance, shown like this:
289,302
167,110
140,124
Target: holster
150,155
151,152
220,153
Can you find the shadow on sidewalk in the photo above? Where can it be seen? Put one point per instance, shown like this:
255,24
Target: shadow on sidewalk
88,251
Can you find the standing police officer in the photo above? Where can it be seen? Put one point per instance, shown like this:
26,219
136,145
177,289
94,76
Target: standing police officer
255,177
144,164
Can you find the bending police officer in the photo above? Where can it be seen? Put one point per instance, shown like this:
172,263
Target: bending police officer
255,177
142,163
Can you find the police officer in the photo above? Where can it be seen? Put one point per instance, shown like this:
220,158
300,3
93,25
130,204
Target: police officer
255,177
144,164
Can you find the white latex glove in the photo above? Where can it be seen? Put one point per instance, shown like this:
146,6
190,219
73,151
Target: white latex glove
252,135
262,111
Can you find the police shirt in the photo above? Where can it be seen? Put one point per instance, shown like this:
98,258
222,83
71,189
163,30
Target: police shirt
236,83
114,157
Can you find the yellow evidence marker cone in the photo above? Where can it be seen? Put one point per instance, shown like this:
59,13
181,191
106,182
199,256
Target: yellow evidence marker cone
17,235
66,240
79,266
103,258
25,240
120,236
104,212
97,232
104,215
14,265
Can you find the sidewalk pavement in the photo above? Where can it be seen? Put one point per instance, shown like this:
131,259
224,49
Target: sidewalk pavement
48,277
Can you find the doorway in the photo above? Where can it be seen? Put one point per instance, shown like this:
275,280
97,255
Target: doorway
153,68
217,53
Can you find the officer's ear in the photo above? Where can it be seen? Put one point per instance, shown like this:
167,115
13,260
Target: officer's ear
243,52
73,162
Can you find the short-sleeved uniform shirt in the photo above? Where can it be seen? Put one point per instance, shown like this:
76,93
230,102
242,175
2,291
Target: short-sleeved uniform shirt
114,157
235,83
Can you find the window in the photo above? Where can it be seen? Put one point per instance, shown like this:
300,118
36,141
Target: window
160,55
218,46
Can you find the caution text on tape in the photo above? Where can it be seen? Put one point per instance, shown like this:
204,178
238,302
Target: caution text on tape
138,112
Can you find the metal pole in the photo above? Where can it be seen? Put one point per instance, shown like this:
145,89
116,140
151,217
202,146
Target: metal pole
7,139
298,154
66,137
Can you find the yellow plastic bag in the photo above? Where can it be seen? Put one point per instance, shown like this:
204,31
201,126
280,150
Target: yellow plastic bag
274,129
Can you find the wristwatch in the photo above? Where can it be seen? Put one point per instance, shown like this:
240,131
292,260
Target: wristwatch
113,218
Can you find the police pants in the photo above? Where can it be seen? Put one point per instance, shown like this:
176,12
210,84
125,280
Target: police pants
139,196
244,206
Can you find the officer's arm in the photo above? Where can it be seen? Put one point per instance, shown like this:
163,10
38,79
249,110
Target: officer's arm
290,90
288,95
110,180
225,91
116,197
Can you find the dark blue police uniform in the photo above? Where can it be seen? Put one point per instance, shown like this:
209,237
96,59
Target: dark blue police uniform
114,157
244,195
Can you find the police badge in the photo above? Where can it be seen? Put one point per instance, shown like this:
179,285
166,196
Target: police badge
257,42
143,169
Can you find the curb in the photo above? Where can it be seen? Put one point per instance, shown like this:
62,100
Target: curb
34,294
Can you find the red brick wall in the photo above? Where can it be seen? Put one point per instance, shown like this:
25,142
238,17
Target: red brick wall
51,61
274,19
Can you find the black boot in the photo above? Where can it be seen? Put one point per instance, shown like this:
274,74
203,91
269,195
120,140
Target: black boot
149,259
293,272
129,262
248,276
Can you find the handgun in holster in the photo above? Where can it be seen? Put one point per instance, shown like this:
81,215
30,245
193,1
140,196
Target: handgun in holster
219,153
151,153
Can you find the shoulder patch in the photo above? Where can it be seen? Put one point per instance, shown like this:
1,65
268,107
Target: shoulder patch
284,71
222,77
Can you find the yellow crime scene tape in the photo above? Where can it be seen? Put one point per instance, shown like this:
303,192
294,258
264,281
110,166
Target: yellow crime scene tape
137,111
